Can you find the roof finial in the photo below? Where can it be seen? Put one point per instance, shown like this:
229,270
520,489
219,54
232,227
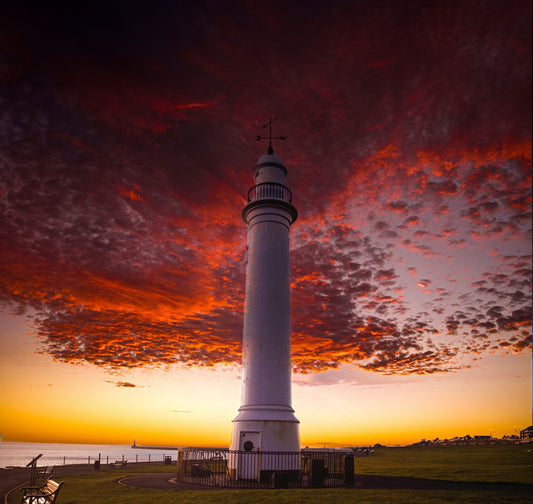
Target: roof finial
270,137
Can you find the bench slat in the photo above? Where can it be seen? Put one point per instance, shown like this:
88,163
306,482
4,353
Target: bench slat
46,494
52,485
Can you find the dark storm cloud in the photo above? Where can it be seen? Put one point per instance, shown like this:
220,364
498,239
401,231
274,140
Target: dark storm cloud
123,384
505,311
126,135
398,206
356,310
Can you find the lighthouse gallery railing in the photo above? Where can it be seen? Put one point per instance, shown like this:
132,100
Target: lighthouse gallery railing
270,190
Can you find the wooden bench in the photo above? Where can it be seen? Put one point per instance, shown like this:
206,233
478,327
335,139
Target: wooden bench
43,474
200,471
118,463
45,494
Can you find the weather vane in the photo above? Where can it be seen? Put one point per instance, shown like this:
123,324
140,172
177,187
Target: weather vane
270,137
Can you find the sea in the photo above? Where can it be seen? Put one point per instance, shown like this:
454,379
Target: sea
55,454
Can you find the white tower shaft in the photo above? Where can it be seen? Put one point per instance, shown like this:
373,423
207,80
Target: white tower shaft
266,419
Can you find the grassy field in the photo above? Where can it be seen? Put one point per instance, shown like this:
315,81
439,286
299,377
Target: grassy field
482,475
513,463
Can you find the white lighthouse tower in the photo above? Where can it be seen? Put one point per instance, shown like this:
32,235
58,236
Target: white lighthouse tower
266,421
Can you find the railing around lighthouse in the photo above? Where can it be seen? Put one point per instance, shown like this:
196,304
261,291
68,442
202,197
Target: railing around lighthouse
270,190
257,469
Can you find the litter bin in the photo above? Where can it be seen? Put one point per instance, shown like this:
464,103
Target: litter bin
168,460
281,479
97,464
318,473
349,467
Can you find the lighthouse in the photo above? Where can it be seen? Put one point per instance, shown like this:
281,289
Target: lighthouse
266,420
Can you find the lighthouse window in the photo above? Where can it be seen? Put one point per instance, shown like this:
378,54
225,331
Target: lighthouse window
248,446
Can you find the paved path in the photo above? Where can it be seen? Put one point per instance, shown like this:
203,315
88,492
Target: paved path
11,478
161,481
166,481
397,483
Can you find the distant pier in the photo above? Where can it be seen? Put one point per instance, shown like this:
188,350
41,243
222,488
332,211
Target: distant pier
142,447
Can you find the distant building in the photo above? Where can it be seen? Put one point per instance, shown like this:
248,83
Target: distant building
526,433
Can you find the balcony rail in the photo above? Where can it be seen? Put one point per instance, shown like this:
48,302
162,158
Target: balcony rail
270,190
256,469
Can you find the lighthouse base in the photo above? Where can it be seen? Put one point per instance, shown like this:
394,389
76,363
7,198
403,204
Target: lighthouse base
263,446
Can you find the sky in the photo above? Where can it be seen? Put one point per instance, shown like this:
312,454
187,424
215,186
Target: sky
127,146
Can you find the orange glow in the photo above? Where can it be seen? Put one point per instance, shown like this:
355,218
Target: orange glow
122,179
129,193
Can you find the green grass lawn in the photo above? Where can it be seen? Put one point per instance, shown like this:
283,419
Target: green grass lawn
110,493
505,466
513,463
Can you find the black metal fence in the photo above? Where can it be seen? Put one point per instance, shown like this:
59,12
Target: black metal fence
243,469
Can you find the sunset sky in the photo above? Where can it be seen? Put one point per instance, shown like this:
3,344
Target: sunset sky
127,144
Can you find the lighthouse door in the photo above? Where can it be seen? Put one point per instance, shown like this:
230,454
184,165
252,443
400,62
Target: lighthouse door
249,448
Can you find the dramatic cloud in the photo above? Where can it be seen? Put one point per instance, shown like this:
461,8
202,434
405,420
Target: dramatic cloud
124,384
126,158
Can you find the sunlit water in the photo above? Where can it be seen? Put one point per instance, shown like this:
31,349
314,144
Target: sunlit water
20,454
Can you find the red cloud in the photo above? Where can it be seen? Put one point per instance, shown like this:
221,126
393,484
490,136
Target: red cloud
125,165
